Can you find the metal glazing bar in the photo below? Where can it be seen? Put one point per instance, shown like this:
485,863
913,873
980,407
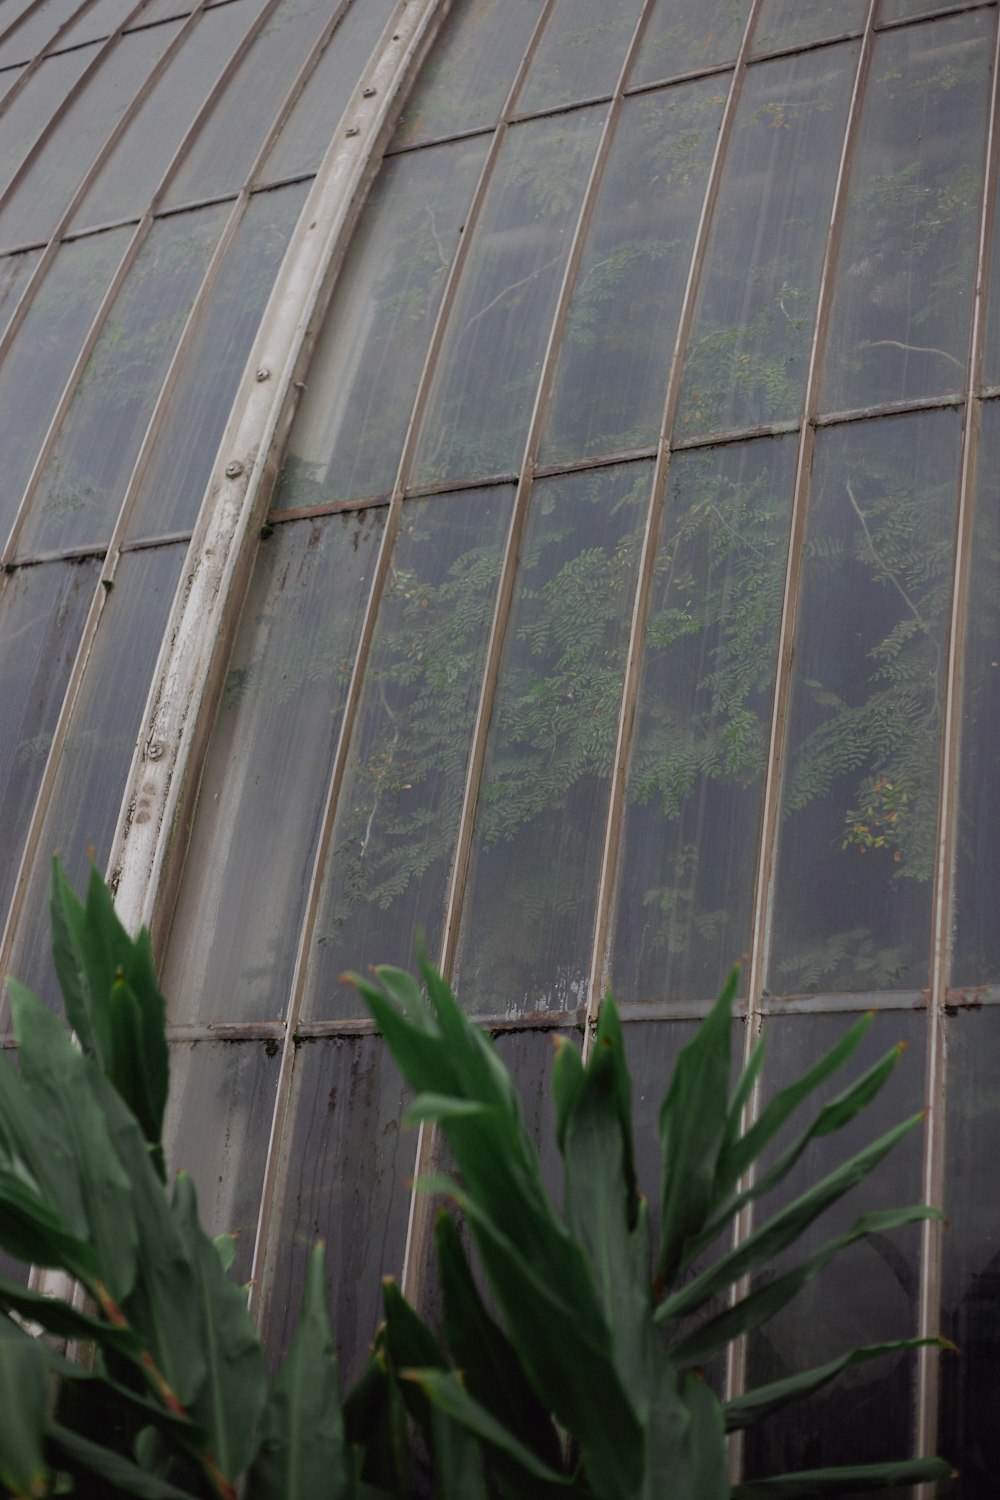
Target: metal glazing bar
26,15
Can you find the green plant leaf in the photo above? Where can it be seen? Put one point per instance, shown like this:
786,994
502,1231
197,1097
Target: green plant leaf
567,1081
23,1400
445,1389
709,1455
814,1484
61,1318
80,1454
375,1425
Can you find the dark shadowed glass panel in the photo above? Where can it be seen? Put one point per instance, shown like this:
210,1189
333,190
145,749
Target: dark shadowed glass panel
580,53
528,1056
470,70
868,1293
43,194
105,17
349,429
611,376
218,1123
790,23
87,472
220,157
970,1313
703,718
484,386
748,353
95,758
307,132
526,930
267,770
133,170
42,611
901,305
685,35
859,804
26,117
348,1167
37,30
44,349
401,798
186,444
976,956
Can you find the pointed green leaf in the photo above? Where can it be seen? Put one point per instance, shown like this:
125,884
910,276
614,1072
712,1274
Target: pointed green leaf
375,1425
23,1399
567,1081
709,1454
80,1454
65,1321
446,1391
858,1479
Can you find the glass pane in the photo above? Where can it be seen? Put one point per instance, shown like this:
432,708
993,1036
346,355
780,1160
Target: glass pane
94,762
87,473
899,10
222,153
349,429
130,175
37,30
43,194
187,442
749,351
868,1293
686,35
484,386
703,719
8,78
611,376
14,273
349,1168
580,54
970,1436
44,350
161,10
527,1056
267,771
23,122
104,18
899,325
401,798
13,10
790,23
527,924
309,128
217,1127
859,805
471,68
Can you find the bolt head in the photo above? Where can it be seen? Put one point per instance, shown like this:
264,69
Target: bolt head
368,93
155,751
263,373
234,470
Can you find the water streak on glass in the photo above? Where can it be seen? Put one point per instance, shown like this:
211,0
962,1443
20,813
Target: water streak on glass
466,80
267,771
580,54
130,174
85,477
187,442
350,426
44,350
900,314
484,386
37,31
42,195
749,348
695,784
610,379
94,763
532,884
104,18
859,804
794,23
401,798
685,35
28,115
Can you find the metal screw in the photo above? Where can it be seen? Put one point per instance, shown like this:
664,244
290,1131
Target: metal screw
234,470
353,130
155,751
368,93
263,373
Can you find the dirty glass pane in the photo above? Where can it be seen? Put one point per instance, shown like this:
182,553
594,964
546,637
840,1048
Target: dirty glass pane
527,924
467,78
309,128
899,326
43,194
527,1056
790,23
161,10
685,35
104,18
869,1292
36,30
222,153
349,429
991,350
580,54
44,350
185,447
748,354
95,758
84,481
14,273
970,1313
399,805
899,10
484,386
42,611
348,1166
267,770
859,805
130,175
611,376
703,719
23,122
217,1126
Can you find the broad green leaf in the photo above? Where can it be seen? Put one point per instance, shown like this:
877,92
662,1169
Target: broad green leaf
225,1249
858,1479
23,1399
709,1454
375,1425
409,1342
609,1040
446,1391
567,1081
80,1454
34,1232
65,1321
